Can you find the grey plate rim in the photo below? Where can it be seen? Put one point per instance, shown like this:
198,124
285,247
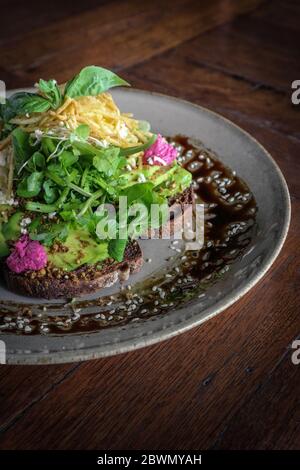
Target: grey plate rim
151,337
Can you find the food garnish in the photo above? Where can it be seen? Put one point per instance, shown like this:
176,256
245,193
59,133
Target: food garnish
64,151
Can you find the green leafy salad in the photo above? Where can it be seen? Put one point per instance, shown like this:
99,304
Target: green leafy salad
67,150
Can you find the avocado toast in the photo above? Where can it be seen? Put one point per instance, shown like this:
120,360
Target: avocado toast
67,156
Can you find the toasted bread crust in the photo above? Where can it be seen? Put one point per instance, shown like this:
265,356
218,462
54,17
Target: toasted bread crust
86,279
181,204
82,281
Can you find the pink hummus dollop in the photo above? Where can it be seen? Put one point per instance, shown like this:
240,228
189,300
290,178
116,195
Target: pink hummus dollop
27,255
160,153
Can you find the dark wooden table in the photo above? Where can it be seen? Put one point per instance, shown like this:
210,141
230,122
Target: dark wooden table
229,383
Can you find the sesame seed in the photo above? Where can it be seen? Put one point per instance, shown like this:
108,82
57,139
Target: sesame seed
75,317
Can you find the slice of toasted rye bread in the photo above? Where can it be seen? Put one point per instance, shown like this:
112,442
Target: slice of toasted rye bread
84,280
179,205
87,279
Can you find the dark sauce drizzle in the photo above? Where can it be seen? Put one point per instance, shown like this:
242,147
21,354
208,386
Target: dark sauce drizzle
230,211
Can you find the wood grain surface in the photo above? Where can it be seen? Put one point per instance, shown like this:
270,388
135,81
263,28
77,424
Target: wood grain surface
230,383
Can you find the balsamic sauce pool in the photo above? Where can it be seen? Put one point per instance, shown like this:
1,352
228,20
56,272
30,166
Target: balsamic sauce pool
230,207
230,211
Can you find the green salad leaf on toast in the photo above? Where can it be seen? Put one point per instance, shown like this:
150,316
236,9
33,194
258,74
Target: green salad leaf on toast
92,81
62,174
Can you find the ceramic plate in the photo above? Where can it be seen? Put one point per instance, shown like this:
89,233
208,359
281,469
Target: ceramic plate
165,298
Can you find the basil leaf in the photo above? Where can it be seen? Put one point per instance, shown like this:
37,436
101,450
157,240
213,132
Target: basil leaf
92,81
21,146
51,92
116,249
22,103
32,103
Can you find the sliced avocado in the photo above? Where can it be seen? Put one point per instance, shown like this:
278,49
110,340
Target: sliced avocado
179,181
156,174
82,249
11,230
159,175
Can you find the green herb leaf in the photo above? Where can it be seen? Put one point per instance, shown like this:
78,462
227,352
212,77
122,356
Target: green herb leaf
92,81
51,92
48,145
21,103
124,152
68,158
84,148
50,233
50,191
82,132
36,161
22,148
34,182
31,186
107,161
116,249
139,192
39,207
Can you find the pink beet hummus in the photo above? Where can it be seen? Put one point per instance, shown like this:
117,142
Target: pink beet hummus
27,255
160,153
